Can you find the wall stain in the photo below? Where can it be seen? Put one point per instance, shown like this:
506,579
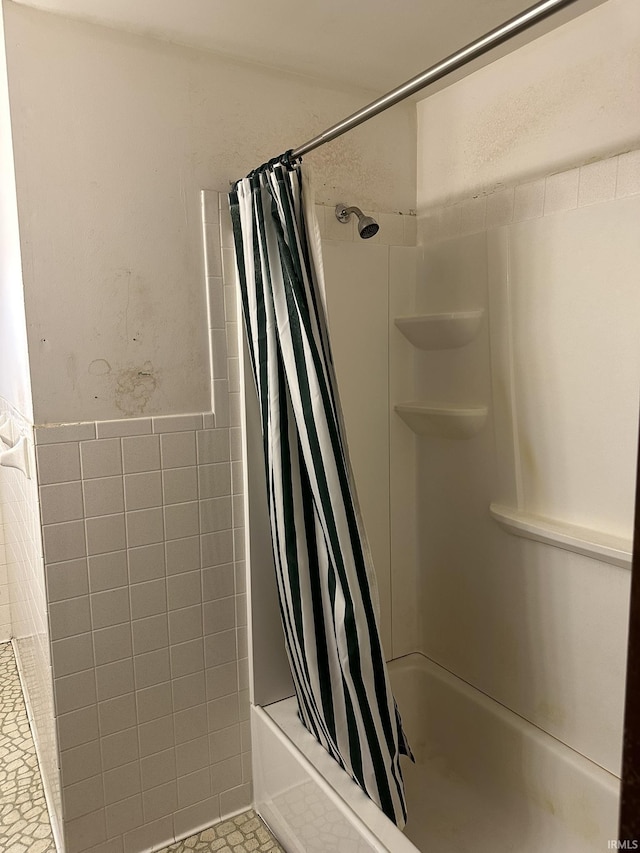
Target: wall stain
134,387
99,367
130,387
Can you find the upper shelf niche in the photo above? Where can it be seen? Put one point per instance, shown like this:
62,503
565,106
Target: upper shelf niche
441,331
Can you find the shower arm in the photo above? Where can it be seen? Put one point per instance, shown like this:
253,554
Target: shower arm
513,27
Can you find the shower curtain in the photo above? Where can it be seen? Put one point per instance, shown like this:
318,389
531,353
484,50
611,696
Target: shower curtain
326,585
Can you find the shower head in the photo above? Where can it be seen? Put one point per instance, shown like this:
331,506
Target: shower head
367,226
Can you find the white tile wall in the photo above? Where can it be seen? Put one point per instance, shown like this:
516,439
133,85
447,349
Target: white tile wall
23,602
614,177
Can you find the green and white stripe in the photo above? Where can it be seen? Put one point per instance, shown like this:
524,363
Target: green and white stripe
324,573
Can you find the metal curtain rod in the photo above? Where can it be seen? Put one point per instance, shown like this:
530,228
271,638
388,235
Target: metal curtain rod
473,50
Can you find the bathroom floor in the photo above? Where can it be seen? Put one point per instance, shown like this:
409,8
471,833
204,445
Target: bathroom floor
244,833
24,820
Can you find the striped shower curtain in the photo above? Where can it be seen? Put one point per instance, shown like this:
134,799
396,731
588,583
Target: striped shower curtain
326,586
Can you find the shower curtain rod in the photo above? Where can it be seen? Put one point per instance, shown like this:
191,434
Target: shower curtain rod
473,50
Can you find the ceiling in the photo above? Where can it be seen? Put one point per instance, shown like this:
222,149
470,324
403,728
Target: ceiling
371,44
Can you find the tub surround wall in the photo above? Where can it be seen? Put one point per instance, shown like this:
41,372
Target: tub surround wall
554,263
529,207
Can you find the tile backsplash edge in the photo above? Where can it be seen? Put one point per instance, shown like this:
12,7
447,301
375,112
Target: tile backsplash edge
615,177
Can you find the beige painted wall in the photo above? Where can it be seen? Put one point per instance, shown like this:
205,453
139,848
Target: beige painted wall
114,137
565,99
15,385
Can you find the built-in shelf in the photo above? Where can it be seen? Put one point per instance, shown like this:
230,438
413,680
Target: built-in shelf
446,421
570,537
441,331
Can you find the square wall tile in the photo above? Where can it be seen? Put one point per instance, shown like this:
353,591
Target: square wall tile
224,744
190,723
188,691
181,520
122,782
145,527
61,502
120,748
74,691
101,458
146,563
628,182
150,634
69,617
124,815
154,702
152,836
215,514
561,192
220,648
219,615
117,715
80,762
180,485
218,581
222,680
185,624
597,182
158,769
141,453
64,541
105,533
160,801
156,736
187,658
108,571
77,727
114,679
72,654
85,832
58,463
152,668
143,491
66,580
213,446
148,599
217,549
225,775
183,555
112,644
194,787
103,496
178,449
183,590
110,607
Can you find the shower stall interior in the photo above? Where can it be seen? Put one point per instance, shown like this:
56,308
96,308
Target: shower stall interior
431,420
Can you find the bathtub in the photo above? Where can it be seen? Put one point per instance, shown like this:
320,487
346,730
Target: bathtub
485,780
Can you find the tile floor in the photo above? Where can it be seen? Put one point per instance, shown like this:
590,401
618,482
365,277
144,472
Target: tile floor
245,833
24,821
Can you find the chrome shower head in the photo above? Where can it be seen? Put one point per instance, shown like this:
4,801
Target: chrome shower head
367,226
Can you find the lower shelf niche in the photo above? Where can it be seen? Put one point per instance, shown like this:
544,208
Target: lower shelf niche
444,420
